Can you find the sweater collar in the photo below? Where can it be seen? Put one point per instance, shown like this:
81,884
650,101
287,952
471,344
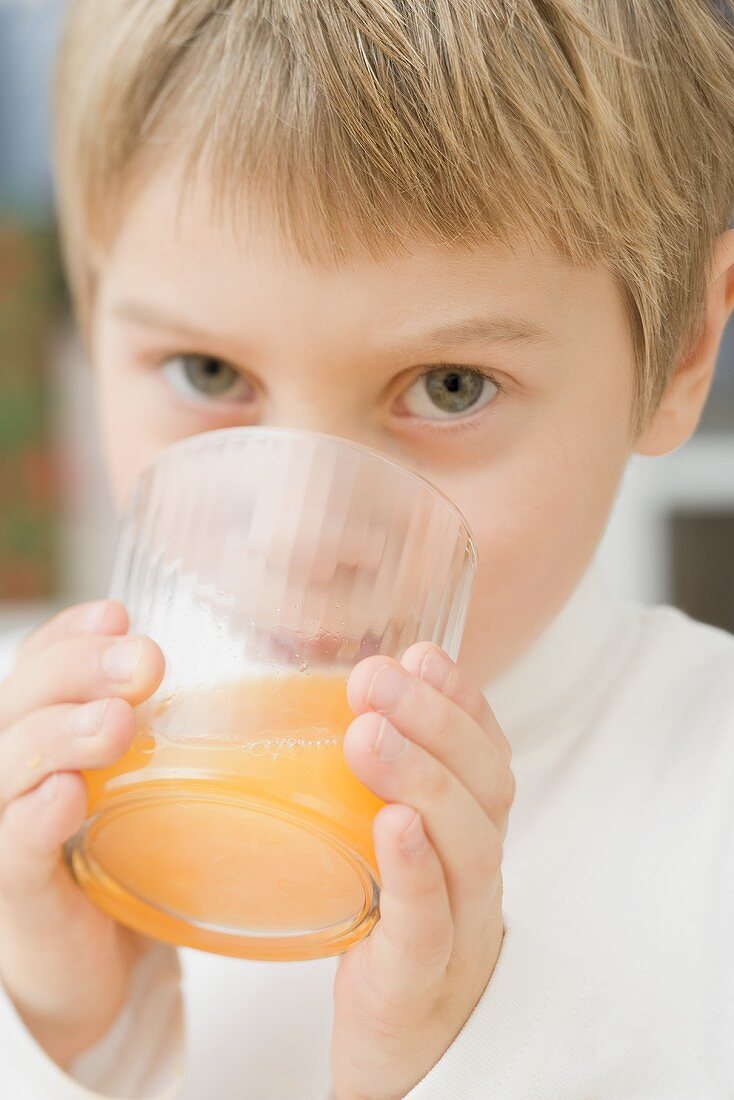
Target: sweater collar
568,666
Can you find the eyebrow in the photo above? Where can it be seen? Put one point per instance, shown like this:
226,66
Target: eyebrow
474,330
139,313
486,330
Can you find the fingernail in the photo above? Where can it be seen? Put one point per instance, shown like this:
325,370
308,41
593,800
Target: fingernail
435,669
121,660
389,744
49,788
87,719
387,688
414,837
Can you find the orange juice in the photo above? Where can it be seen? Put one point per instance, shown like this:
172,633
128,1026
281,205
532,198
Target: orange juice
234,824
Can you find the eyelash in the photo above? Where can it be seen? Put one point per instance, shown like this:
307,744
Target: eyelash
484,374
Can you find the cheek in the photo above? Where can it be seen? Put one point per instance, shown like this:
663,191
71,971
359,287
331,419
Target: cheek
538,515
131,435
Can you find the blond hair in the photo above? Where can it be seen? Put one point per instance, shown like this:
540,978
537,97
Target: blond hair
608,125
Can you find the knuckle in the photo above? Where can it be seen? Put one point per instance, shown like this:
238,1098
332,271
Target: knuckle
47,632
35,738
69,618
118,727
468,698
443,724
381,1013
429,893
487,862
501,794
74,662
507,793
46,752
434,944
35,638
115,732
438,781
46,736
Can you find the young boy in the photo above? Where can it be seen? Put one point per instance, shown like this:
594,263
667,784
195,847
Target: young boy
488,238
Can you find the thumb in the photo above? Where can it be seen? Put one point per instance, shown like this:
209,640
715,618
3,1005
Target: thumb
411,945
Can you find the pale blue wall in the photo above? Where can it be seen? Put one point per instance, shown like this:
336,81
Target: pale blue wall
28,34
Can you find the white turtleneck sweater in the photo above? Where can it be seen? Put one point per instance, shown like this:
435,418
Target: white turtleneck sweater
616,974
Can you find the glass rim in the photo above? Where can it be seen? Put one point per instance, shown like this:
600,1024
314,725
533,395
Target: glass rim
199,439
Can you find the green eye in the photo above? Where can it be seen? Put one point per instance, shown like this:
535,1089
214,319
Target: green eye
205,376
209,376
449,392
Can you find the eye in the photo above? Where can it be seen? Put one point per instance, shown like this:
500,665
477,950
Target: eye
205,376
447,393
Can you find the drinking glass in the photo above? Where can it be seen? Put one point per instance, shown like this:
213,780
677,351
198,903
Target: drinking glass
266,564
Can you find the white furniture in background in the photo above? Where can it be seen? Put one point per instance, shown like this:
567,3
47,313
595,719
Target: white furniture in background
636,553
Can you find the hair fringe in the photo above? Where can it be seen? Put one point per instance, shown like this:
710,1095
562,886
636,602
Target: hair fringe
605,125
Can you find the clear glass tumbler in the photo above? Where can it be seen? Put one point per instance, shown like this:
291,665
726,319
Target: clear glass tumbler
265,563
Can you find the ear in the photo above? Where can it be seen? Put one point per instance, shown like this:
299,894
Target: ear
677,416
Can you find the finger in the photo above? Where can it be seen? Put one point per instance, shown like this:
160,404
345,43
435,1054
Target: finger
32,831
411,944
431,664
438,725
466,842
95,617
77,670
62,738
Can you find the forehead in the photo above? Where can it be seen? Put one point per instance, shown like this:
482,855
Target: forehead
175,248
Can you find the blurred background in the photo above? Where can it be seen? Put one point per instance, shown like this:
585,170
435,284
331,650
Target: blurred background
671,537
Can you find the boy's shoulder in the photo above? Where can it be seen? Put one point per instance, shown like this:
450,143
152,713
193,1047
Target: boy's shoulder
684,670
676,641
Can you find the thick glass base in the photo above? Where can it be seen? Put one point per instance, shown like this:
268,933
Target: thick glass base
198,866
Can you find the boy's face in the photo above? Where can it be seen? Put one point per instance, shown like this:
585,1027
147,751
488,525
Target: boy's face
195,329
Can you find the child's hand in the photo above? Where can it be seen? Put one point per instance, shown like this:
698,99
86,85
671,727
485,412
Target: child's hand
63,962
402,995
